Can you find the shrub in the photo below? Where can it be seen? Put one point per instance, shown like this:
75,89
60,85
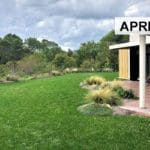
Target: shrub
32,64
56,73
2,79
106,85
75,70
129,94
62,60
87,66
95,80
3,70
42,75
107,70
67,70
12,78
103,96
115,85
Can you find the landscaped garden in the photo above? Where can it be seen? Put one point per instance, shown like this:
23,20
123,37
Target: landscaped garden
42,114
104,96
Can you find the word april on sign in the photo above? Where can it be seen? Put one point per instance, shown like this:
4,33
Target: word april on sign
129,25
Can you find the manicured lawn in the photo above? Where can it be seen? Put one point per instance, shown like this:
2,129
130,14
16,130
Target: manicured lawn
42,114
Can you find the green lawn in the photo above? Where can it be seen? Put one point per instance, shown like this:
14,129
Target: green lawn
42,114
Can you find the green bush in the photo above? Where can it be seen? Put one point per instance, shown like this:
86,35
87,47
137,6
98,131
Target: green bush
67,70
32,64
74,70
106,85
12,78
42,75
129,94
62,60
3,70
104,96
87,66
95,80
115,85
107,70
56,73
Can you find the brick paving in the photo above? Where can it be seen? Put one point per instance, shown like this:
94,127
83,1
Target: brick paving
132,106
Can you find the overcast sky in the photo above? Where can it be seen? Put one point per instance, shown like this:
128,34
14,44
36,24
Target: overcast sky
68,22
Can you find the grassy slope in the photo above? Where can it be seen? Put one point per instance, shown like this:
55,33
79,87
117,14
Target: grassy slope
42,114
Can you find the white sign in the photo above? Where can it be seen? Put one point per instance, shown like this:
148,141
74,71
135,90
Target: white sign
129,25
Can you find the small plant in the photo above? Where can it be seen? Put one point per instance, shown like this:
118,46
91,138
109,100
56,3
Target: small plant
56,73
74,70
107,70
2,79
129,94
42,75
95,80
67,70
3,71
12,78
106,85
115,85
104,96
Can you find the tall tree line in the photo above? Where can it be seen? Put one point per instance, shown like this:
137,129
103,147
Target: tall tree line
91,54
97,54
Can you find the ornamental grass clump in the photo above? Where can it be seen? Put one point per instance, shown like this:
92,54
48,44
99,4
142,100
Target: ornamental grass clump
95,80
115,85
106,85
56,73
12,78
104,96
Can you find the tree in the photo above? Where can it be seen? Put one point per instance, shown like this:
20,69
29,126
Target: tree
48,44
11,49
105,57
50,53
33,44
87,51
87,66
112,38
4,51
70,53
31,64
62,61
69,62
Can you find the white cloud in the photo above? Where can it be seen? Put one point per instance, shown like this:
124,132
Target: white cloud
68,22
19,3
69,45
139,9
41,24
132,10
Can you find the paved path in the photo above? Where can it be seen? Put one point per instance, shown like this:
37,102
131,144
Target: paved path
132,106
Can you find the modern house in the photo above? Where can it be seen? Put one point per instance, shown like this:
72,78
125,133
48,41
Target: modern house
129,57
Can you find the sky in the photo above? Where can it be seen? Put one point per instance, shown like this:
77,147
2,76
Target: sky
67,22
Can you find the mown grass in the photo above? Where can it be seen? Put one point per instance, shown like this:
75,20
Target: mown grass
42,115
